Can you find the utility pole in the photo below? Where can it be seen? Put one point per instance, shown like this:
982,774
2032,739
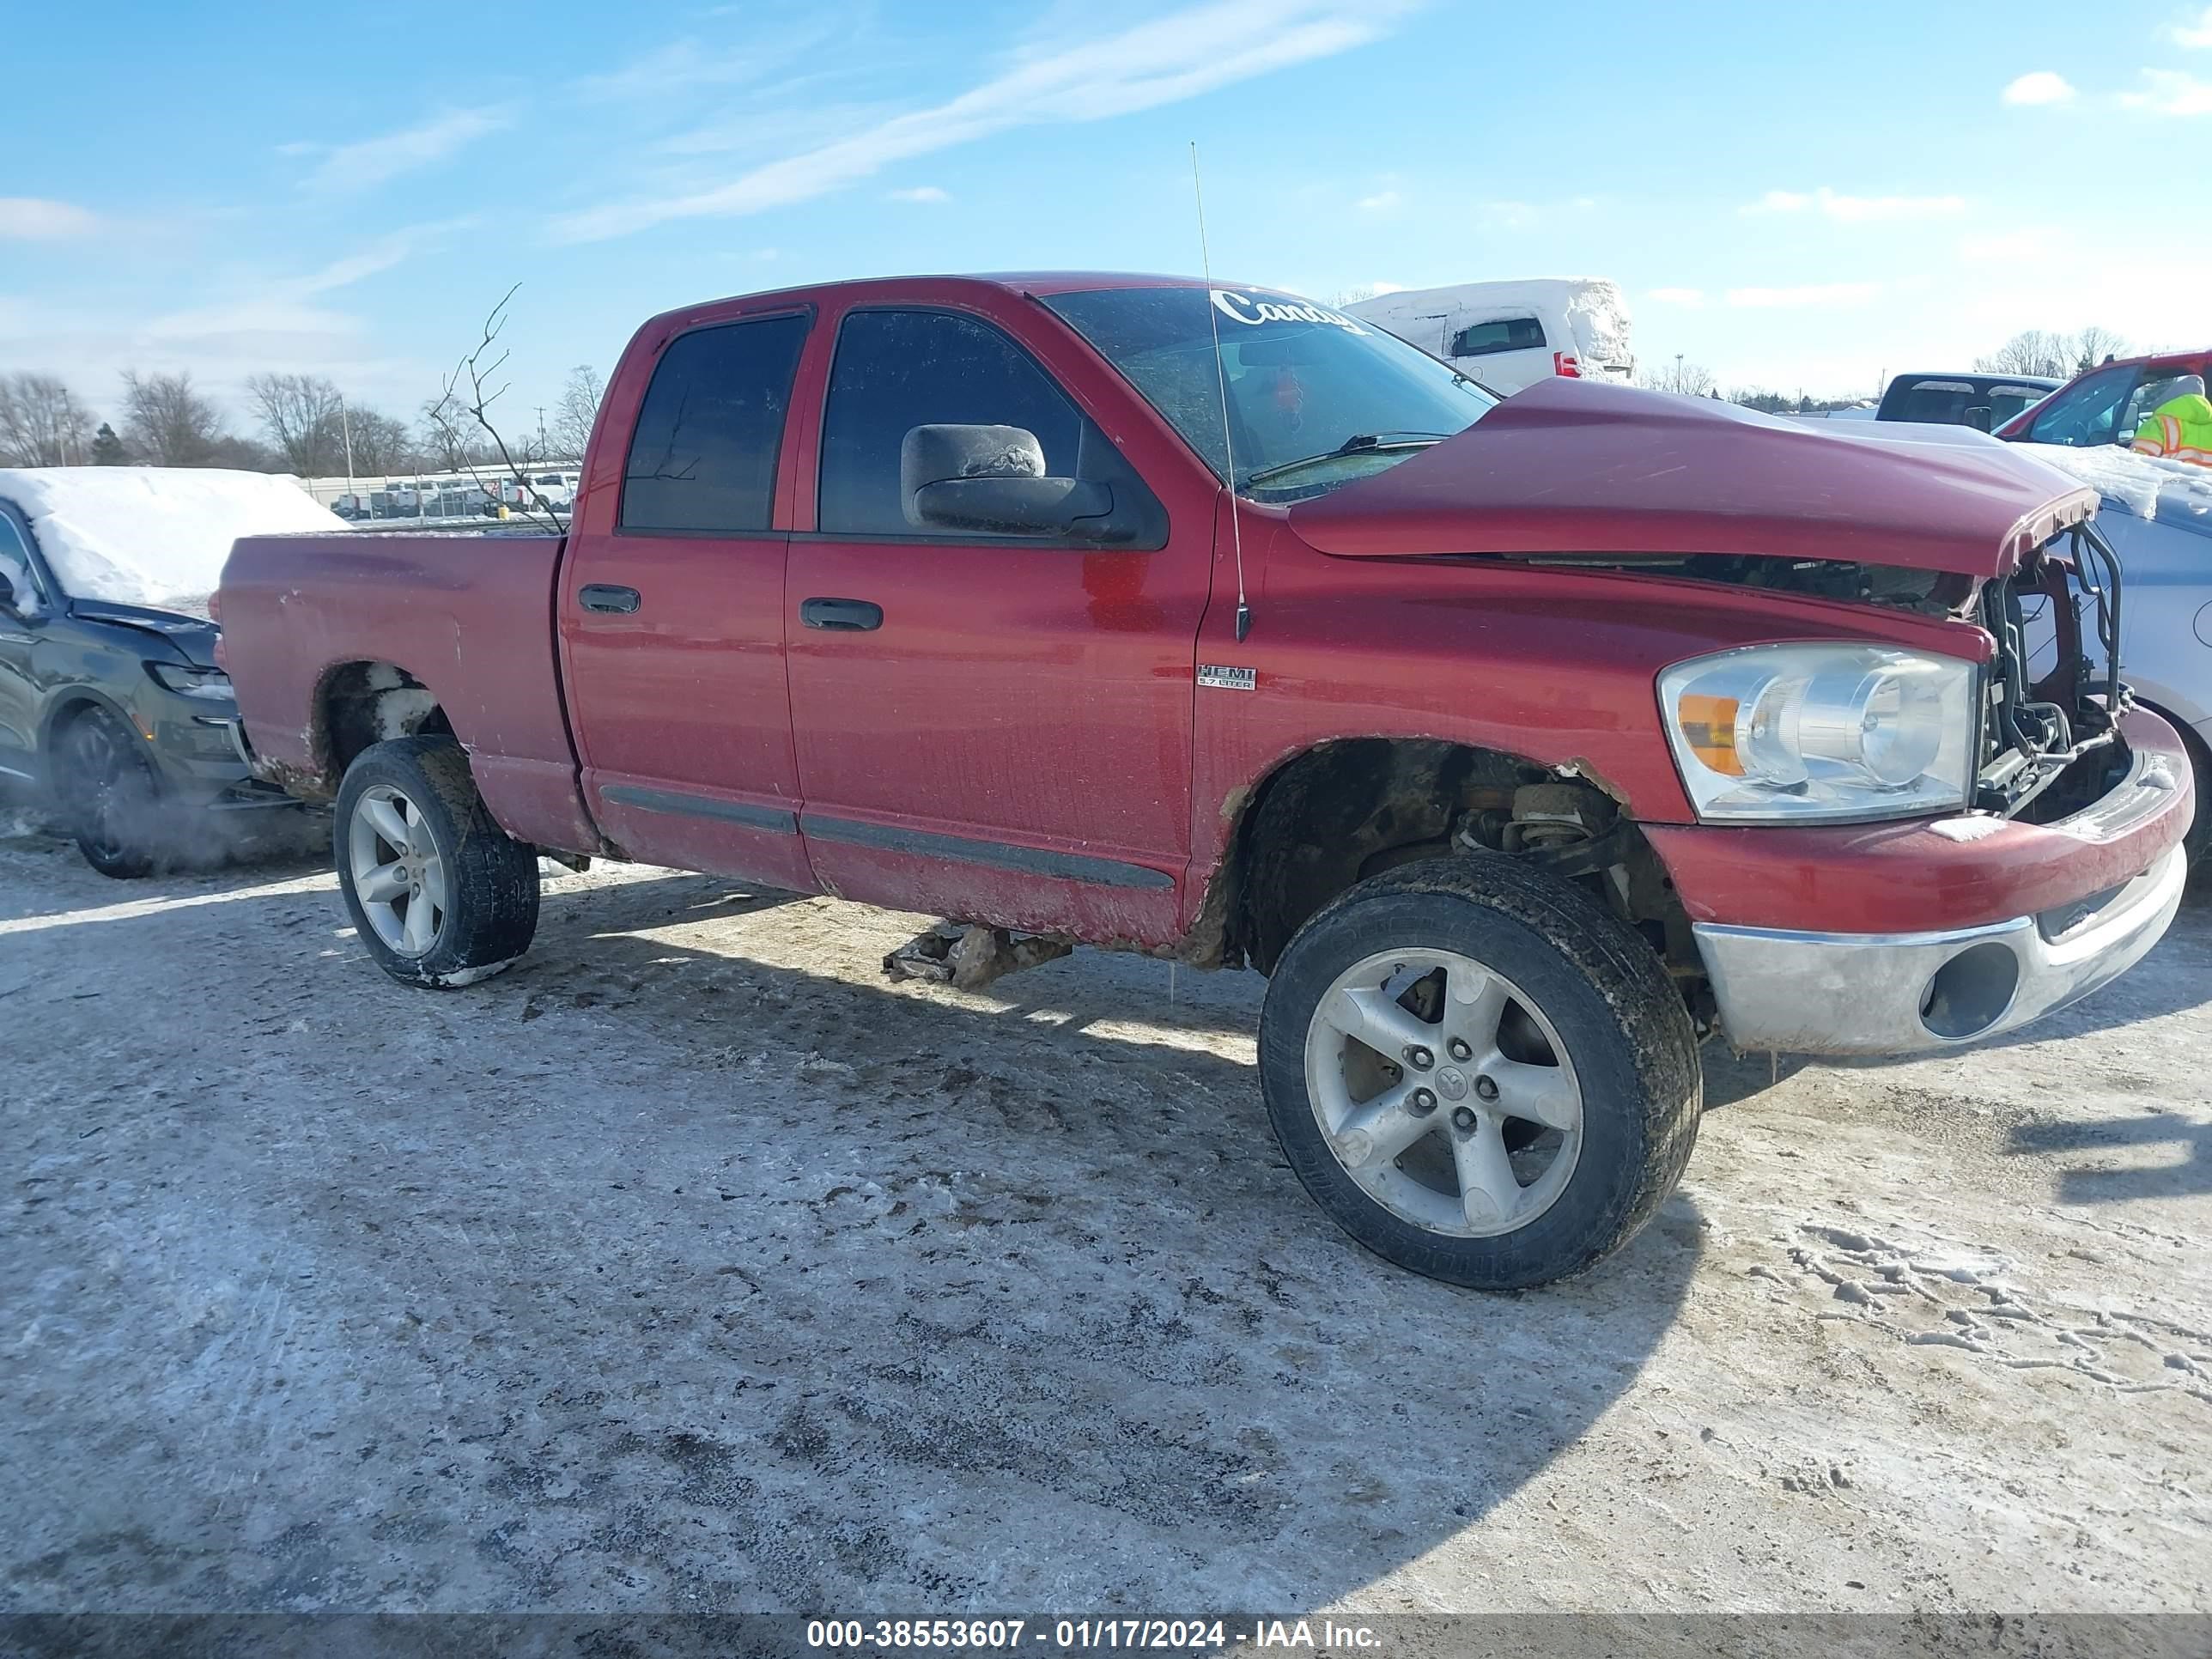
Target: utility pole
346,425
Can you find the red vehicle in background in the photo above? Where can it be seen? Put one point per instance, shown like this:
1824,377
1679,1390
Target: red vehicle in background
1522,744
2106,404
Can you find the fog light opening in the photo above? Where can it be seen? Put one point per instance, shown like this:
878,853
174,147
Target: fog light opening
1971,992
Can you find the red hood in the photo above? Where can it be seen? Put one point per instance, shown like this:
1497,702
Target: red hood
1579,467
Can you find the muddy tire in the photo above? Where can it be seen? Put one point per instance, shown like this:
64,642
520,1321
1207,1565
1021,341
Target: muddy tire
109,795
440,894
1478,1072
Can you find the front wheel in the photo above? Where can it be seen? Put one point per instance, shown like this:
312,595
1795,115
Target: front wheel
440,894
108,795
1477,1072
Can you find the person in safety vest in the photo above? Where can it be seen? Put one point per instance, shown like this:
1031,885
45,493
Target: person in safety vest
2180,425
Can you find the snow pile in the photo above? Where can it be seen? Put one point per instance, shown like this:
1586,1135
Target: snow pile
1429,317
153,536
2146,486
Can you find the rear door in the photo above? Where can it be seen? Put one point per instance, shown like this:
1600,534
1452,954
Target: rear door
670,611
996,727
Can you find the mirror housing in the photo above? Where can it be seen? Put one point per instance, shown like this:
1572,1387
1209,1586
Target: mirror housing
7,593
1977,416
990,480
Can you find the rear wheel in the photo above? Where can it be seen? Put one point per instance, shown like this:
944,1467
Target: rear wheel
109,795
1477,1072
440,894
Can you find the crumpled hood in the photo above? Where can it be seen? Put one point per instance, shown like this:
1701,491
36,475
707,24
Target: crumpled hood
1579,468
192,637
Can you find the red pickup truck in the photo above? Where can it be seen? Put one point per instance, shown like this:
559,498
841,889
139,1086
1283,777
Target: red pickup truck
1522,744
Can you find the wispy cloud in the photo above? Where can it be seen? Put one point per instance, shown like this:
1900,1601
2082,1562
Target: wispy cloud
372,161
1678,296
1856,209
2039,86
1163,61
2171,92
930,193
1381,202
2196,36
34,218
684,64
1812,293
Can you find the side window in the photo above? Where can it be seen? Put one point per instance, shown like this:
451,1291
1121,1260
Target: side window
16,566
703,457
1499,334
895,370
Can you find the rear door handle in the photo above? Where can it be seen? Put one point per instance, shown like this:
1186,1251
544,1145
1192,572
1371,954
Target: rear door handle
602,596
842,615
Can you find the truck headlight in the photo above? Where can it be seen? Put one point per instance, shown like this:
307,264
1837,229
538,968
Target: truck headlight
1798,733
208,684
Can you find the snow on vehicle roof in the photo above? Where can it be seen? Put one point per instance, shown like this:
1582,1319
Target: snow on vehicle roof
154,536
1593,304
2145,486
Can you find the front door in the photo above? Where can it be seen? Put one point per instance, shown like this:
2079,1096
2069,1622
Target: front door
671,613
992,727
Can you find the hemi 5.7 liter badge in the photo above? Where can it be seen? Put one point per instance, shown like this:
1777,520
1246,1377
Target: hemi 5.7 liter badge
1224,678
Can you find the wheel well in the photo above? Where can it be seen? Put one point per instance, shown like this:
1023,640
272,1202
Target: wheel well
360,703
67,714
1347,810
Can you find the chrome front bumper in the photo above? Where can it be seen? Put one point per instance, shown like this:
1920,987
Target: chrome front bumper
1889,993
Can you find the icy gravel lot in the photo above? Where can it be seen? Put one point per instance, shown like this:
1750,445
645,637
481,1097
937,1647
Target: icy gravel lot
692,1265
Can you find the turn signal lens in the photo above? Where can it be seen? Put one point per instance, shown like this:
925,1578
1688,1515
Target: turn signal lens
1708,724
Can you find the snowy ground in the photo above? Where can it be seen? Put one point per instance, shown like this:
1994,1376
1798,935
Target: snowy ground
690,1265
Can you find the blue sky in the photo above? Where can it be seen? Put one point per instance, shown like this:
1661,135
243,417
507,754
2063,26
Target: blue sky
1791,195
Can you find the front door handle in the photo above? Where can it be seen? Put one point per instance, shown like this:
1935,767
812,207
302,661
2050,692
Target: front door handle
603,596
842,615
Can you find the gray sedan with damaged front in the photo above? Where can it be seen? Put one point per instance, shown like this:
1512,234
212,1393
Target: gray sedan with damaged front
116,712
2157,514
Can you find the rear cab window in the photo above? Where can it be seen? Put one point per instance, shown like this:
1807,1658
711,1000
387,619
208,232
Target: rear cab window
702,458
1486,339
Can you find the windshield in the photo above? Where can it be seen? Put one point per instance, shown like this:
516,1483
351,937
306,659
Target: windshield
1315,399
2089,410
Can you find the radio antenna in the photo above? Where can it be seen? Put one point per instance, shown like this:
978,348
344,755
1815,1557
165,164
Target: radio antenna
1221,377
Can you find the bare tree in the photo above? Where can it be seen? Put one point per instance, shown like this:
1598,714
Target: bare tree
383,444
303,415
1688,379
2034,352
573,416
42,423
168,423
2092,345
465,401
447,444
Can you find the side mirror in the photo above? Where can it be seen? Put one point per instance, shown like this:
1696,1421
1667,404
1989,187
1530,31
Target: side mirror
7,594
991,479
1977,416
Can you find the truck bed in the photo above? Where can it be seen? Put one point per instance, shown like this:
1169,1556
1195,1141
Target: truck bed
325,623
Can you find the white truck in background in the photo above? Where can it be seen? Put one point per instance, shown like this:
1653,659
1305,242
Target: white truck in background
1509,335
